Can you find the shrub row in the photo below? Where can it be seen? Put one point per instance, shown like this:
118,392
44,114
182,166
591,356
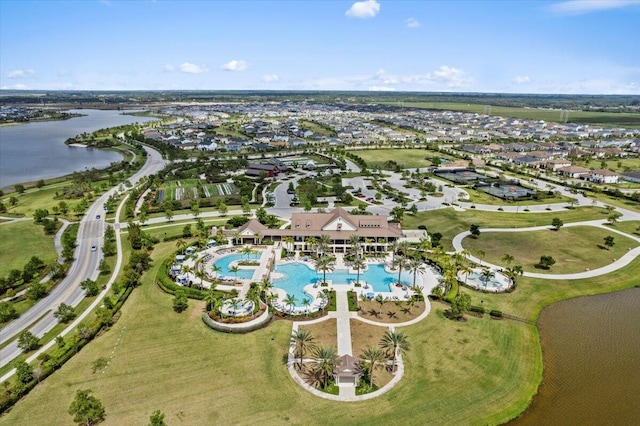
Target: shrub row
235,330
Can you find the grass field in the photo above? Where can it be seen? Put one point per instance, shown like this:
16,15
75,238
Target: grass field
21,240
604,118
408,158
450,223
586,249
197,374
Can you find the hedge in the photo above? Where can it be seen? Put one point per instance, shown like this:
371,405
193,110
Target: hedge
224,328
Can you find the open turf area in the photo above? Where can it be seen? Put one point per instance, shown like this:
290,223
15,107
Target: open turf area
586,249
448,377
21,240
450,223
408,158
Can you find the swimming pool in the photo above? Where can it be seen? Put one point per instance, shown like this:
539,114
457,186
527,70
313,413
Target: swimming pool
297,275
223,264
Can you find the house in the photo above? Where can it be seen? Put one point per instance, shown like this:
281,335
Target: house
573,171
602,176
633,176
255,169
556,164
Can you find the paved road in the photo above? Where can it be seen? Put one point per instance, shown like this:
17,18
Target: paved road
39,319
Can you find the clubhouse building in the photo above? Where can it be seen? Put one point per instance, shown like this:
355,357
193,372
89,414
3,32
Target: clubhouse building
375,233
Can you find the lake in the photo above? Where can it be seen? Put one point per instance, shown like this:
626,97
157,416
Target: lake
35,151
591,351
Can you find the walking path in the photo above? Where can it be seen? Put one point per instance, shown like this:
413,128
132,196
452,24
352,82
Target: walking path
619,263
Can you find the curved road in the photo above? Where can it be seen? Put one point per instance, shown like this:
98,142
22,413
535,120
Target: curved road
39,319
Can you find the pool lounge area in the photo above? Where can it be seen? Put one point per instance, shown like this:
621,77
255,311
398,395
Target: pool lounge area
497,283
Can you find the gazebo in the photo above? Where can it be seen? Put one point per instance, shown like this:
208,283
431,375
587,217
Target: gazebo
347,372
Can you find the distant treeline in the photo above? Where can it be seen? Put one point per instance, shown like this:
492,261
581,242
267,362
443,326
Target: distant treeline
583,102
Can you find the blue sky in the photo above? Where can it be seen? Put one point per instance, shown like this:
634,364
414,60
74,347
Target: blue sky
522,46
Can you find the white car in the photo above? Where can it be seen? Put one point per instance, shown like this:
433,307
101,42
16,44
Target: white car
94,248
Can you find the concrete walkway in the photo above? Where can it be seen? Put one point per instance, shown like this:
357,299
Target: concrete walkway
343,316
619,263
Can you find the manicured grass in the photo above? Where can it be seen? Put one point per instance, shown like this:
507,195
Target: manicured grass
324,333
408,158
450,223
586,249
631,227
390,312
21,240
196,374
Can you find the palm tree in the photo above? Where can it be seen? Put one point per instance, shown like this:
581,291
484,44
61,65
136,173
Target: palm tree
216,270
266,285
481,254
324,264
394,248
323,300
466,270
380,300
400,262
326,360
290,301
373,357
216,307
404,247
507,259
396,342
246,250
236,236
186,269
200,274
288,241
306,302
324,244
258,236
416,266
235,270
311,243
302,341
486,275
253,294
358,264
181,245
210,298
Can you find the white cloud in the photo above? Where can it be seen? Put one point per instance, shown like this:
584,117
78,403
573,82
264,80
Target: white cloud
577,7
235,65
190,68
20,73
382,89
169,68
522,79
15,87
412,23
363,9
269,78
449,76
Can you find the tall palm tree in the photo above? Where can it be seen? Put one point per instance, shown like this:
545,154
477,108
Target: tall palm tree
323,299
311,243
415,266
186,269
266,285
404,247
216,270
466,270
235,270
303,341
306,302
258,236
324,244
253,294
216,307
486,275
290,301
372,357
358,264
325,264
181,245
326,360
288,241
395,342
507,259
200,274
393,246
236,236
481,254
400,263
210,298
246,250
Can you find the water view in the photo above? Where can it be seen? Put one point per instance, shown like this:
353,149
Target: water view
591,349
36,151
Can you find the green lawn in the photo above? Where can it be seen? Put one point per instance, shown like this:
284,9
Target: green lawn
450,223
586,249
631,227
21,240
408,158
172,362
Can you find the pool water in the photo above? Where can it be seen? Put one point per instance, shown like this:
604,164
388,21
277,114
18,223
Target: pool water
224,262
298,275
